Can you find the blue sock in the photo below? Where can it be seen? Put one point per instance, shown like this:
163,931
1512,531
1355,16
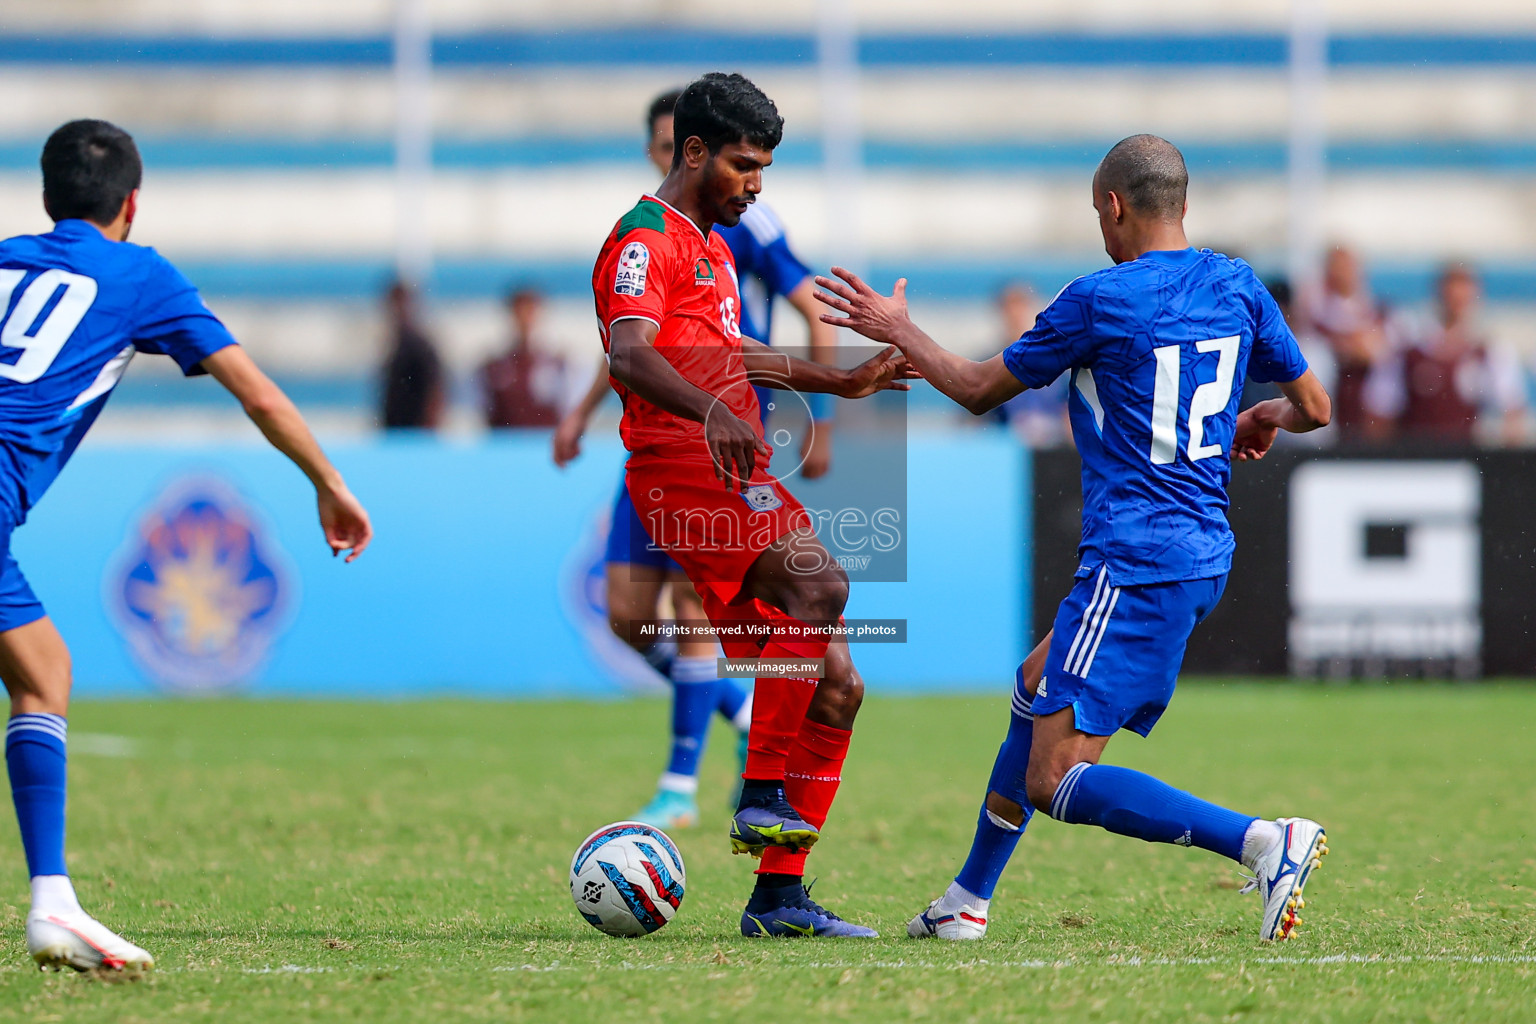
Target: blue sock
693,702
994,841
1133,804
730,696
35,757
660,654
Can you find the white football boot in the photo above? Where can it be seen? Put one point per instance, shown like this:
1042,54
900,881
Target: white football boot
76,939
1282,870
957,916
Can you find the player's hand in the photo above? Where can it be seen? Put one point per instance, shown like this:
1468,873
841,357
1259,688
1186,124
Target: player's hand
877,317
344,521
1253,437
567,443
886,371
734,446
816,451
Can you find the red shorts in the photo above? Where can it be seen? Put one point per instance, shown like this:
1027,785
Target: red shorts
713,532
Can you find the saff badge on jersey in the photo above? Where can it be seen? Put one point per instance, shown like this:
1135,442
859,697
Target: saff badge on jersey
629,279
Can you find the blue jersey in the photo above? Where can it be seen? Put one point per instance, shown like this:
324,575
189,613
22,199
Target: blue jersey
766,268
75,307
1158,349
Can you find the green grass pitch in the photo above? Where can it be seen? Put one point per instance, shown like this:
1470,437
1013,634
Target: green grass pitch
376,862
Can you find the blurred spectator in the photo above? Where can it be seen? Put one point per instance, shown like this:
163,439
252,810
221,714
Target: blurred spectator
1319,353
413,373
1319,361
1447,381
1038,416
524,385
1345,316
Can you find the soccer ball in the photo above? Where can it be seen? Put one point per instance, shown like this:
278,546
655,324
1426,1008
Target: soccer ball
627,879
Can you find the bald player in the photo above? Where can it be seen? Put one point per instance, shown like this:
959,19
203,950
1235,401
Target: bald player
1157,347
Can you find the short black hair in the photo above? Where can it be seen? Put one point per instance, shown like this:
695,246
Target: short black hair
1147,172
661,106
721,109
89,169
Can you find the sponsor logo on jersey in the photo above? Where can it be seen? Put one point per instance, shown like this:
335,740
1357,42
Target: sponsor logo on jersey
703,273
762,498
629,279
200,589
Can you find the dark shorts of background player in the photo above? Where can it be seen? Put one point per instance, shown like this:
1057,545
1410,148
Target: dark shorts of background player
716,534
628,541
1117,650
18,605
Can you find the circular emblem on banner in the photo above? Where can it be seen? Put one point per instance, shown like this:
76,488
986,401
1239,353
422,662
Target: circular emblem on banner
200,589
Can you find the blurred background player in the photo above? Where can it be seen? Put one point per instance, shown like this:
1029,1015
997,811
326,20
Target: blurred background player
414,391
665,292
523,386
767,269
1157,347
78,303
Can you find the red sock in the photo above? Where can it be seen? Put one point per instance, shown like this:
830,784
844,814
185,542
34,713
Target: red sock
811,777
778,709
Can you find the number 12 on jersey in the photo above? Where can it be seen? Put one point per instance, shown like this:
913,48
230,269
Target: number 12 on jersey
1209,399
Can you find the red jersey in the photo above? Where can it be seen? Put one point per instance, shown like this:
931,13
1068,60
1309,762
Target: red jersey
1444,391
656,265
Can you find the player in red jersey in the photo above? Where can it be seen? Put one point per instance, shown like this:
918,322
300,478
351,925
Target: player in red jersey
668,308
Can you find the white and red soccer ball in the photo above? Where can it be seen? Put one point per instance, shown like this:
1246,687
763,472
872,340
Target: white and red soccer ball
627,879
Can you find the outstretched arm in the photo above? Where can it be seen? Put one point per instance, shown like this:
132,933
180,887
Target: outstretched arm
567,442
342,517
979,387
1305,407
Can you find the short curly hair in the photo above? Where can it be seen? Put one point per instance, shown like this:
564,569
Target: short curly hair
720,109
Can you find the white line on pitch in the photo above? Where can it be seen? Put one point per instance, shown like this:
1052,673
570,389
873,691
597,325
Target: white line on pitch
101,744
900,965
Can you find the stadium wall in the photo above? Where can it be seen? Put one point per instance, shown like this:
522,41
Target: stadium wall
201,569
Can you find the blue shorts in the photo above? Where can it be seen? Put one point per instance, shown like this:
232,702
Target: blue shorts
1117,650
629,543
18,605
